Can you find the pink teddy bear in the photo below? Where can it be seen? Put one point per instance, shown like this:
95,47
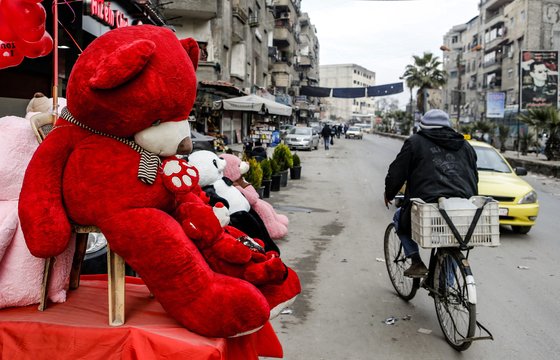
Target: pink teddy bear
21,273
276,224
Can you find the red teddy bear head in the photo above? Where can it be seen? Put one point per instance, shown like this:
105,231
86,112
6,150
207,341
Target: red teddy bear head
135,76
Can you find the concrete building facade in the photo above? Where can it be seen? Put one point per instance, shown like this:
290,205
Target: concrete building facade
247,47
347,76
487,51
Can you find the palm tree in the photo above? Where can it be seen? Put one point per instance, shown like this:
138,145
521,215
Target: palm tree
424,74
546,118
503,133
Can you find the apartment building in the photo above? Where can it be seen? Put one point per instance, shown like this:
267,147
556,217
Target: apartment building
484,53
347,76
307,70
248,47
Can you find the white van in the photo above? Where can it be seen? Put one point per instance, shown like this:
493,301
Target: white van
366,128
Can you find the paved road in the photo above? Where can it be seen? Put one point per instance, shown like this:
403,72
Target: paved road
335,244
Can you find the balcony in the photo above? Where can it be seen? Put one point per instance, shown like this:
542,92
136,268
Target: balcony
285,3
254,20
493,17
281,68
304,61
283,37
194,9
240,13
496,62
281,80
304,20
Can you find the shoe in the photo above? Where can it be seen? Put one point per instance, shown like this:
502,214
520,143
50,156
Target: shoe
416,270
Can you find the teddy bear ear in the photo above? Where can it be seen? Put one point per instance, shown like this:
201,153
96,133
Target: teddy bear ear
122,65
191,47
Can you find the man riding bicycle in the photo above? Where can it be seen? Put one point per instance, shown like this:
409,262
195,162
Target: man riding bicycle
435,162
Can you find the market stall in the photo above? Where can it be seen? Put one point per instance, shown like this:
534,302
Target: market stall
262,127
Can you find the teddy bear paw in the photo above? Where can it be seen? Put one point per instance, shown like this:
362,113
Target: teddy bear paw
222,213
178,175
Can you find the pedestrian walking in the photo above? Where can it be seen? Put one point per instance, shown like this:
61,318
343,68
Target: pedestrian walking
326,134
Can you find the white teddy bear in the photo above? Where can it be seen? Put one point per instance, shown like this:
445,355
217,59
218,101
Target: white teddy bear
220,189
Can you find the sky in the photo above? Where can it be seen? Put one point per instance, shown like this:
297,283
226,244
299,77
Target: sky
383,35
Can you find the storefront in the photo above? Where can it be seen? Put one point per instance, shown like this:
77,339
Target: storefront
232,127
79,24
261,118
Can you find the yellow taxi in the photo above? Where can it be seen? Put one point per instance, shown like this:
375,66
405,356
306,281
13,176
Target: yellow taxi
519,206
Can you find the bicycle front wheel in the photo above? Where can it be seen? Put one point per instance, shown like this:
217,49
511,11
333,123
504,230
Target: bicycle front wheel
397,263
456,315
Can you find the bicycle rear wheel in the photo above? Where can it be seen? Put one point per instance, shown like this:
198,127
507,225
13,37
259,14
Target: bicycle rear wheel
456,315
397,263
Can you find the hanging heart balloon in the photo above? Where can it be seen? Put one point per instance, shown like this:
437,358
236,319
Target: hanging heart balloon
22,31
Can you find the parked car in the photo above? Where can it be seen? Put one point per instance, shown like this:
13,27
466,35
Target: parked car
517,199
284,129
353,132
302,138
366,128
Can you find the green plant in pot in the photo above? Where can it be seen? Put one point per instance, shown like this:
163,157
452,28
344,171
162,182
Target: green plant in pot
283,156
295,170
255,175
267,177
275,177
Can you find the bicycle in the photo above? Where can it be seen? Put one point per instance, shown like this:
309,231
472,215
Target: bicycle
450,280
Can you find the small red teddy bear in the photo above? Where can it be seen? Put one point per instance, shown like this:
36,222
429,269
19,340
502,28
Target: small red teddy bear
227,250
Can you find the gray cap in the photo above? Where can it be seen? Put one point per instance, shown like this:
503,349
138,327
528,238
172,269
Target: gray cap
434,119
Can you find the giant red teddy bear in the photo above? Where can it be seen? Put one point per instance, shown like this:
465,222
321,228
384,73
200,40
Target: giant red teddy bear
138,83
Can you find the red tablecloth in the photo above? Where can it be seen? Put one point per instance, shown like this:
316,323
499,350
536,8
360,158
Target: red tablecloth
78,329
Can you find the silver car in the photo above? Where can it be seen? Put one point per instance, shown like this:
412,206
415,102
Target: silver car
302,138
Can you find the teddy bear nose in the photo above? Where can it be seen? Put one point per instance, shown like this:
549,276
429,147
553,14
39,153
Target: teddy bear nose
185,146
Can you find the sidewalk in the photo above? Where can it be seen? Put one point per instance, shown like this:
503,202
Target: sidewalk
534,163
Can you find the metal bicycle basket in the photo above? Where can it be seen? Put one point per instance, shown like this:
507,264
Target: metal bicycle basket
431,230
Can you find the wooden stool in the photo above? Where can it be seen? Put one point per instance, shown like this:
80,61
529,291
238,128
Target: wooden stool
42,124
115,272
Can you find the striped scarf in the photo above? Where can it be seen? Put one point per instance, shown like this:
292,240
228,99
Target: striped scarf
149,162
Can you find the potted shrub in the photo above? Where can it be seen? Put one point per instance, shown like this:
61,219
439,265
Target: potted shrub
283,157
267,177
276,177
254,176
295,170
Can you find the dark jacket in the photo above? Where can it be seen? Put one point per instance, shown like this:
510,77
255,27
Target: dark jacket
326,131
433,163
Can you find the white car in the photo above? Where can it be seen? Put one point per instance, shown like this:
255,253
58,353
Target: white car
302,138
353,132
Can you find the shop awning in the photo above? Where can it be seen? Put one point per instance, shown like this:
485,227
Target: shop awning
221,88
253,103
